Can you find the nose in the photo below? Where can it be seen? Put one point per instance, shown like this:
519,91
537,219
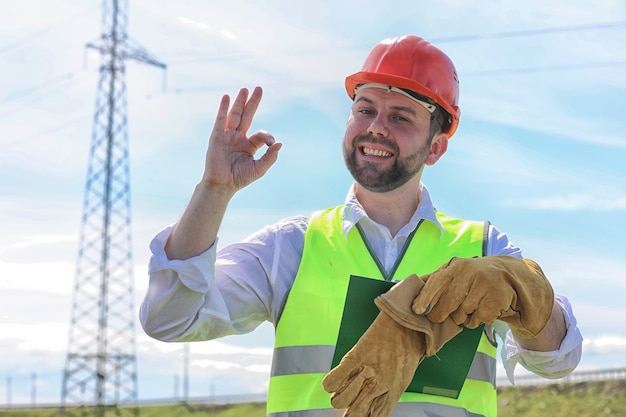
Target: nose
377,127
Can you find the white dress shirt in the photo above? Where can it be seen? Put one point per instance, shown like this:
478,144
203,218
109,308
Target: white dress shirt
244,284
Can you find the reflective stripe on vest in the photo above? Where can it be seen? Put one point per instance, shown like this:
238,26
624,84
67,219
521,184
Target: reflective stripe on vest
314,359
307,331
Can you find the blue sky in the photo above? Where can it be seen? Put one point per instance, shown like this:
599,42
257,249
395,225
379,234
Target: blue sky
540,150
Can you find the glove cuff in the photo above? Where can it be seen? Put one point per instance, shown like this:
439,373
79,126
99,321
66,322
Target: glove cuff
536,292
397,302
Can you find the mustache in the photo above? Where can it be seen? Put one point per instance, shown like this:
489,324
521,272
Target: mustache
369,138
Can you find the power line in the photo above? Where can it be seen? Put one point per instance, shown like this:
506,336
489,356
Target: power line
69,78
548,68
191,59
27,97
74,121
531,32
34,35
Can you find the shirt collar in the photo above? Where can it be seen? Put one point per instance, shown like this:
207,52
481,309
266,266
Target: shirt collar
354,212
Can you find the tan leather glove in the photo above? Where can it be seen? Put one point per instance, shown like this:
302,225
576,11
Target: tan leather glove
481,290
372,376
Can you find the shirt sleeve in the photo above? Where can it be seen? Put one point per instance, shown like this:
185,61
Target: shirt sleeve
176,290
219,293
553,364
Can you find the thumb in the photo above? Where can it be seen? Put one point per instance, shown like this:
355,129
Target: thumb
420,306
270,156
268,159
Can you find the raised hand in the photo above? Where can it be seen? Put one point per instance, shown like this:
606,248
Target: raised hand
230,160
230,165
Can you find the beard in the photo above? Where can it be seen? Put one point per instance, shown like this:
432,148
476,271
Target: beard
372,178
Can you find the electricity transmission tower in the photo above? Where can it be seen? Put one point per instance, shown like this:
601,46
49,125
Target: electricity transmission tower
100,376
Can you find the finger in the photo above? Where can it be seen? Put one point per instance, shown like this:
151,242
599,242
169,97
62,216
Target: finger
444,292
381,406
456,298
236,112
340,375
346,395
352,390
250,109
222,113
469,304
356,397
473,321
261,138
332,381
460,316
348,390
430,294
488,310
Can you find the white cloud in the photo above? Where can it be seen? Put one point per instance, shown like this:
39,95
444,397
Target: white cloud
29,241
220,365
36,338
52,277
264,369
228,34
609,344
216,347
224,365
194,23
152,347
594,201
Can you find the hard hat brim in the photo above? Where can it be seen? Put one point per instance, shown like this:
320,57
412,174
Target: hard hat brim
364,77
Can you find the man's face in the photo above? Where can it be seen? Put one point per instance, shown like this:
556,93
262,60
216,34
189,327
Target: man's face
387,139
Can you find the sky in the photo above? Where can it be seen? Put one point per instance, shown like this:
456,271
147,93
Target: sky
540,152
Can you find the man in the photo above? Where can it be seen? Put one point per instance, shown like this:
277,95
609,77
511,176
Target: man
295,273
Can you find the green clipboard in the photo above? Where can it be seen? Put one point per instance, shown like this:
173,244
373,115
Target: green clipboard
442,374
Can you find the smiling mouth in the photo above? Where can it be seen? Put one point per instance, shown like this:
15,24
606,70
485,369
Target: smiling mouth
375,152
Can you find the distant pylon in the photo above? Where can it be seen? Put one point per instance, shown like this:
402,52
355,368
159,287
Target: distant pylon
100,376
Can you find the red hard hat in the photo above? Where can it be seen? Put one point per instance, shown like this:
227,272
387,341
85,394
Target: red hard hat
411,63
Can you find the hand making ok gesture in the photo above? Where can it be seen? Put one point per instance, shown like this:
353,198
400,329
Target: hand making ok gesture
230,163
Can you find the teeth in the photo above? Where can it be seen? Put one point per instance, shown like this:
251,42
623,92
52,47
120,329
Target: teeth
368,151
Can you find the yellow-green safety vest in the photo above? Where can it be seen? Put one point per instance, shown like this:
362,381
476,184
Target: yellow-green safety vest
307,331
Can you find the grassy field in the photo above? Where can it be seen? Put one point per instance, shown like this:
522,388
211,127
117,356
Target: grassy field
585,399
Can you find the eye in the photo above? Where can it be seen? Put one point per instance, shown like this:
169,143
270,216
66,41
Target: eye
401,118
365,111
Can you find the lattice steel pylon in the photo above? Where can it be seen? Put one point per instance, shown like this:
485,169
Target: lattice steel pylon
100,375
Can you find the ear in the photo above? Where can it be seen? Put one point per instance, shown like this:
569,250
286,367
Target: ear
438,147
